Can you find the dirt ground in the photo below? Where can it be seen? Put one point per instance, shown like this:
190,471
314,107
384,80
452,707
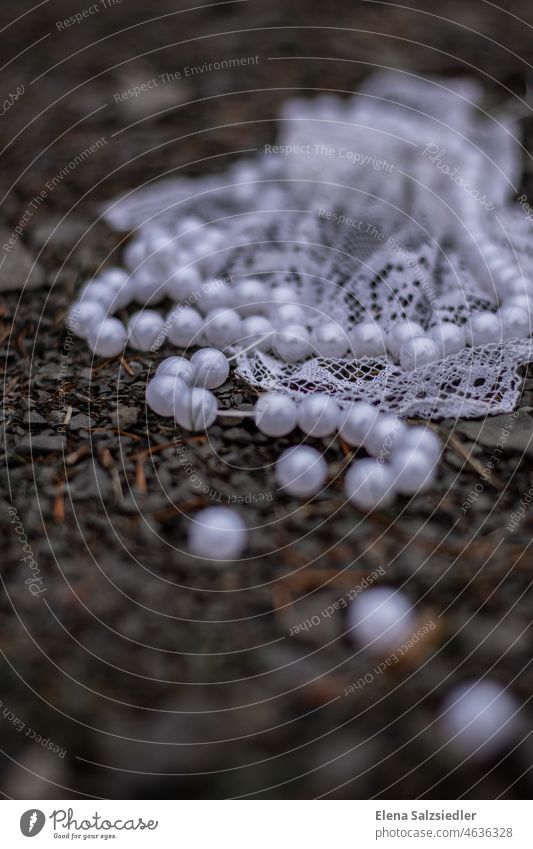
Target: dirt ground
131,669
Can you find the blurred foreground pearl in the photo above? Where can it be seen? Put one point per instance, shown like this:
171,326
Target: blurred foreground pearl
356,422
147,290
144,328
421,439
369,484
516,322
381,619
162,393
400,333
122,285
523,301
284,314
413,470
329,340
222,327
217,533
256,331
301,471
107,338
216,295
184,327
318,415
182,283
82,315
211,368
97,291
482,328
385,434
275,414
418,352
292,343
367,340
177,367
250,297
450,338
479,717
195,409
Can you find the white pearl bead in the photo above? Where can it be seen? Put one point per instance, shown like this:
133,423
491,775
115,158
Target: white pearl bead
216,295
519,286
386,433
256,330
418,352
107,338
284,314
185,327
356,423
283,295
122,285
292,343
380,619
160,257
524,301
368,340
414,470
134,253
318,415
211,368
515,321
182,283
218,533
100,292
222,327
368,484
421,439
450,338
329,340
482,328
275,414
147,290
195,409
177,367
400,333
144,329
250,297
301,471
162,392
479,717
82,315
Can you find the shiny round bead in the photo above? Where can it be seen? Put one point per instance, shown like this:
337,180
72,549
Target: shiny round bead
250,297
144,329
479,718
147,290
524,301
211,368
177,367
450,338
400,333
275,414
418,352
134,253
380,619
162,393
256,330
82,315
222,327
386,433
195,409
368,340
369,484
282,295
218,533
515,322
356,422
182,283
301,471
185,327
423,439
318,415
107,338
216,295
414,470
121,283
483,328
329,340
518,286
292,343
100,292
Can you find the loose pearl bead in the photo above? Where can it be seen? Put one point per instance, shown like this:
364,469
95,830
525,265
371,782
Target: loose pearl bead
380,619
524,301
185,326
177,367
147,290
329,340
515,321
356,423
218,533
450,338
318,415
301,471
275,414
144,328
122,285
250,297
97,291
162,392
216,296
369,484
292,343
82,315
284,314
195,409
182,283
384,435
418,352
254,330
107,338
479,717
222,327
211,368
283,295
134,253
519,286
368,340
482,328
421,439
414,470
400,333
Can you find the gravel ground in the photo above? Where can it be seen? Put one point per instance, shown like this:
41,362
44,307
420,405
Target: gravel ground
128,668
